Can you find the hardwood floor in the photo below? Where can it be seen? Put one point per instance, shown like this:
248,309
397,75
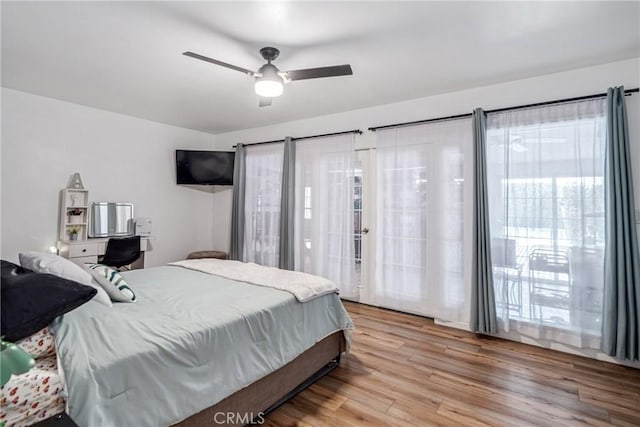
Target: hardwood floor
404,370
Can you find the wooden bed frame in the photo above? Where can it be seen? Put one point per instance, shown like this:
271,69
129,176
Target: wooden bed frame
266,394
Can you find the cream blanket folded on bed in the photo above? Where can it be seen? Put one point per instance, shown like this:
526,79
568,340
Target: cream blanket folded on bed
303,286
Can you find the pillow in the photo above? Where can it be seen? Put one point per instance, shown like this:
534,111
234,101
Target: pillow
112,282
30,301
102,297
62,267
54,264
40,344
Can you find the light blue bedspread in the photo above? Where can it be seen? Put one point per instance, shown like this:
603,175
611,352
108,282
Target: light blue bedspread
189,341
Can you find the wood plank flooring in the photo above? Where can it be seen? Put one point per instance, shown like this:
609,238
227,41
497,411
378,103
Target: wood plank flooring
404,370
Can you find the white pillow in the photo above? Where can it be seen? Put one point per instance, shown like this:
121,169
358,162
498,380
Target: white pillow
102,297
54,264
58,266
112,282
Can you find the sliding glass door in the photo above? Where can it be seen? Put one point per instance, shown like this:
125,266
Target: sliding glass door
545,177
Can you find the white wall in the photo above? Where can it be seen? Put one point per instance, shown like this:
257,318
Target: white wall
120,158
584,81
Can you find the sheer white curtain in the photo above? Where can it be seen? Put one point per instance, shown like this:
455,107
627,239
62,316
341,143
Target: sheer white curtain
263,186
324,219
420,174
545,181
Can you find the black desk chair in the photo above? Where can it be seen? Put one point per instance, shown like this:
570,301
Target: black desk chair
122,251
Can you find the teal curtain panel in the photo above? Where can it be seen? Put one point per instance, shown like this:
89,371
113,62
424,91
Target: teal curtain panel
237,205
483,304
621,308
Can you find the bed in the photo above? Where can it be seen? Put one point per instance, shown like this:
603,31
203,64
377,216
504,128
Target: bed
192,347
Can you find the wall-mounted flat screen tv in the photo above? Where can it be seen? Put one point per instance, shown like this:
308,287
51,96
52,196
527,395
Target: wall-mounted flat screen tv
204,167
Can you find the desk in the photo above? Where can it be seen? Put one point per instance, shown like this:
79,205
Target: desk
88,251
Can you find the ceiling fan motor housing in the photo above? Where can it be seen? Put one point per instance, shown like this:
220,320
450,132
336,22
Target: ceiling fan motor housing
269,53
270,72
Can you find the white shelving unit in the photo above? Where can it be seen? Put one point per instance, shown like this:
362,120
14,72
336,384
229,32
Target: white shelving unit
74,213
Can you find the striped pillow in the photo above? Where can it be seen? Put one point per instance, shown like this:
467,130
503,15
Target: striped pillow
112,282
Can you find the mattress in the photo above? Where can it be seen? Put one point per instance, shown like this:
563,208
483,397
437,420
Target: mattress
190,340
33,396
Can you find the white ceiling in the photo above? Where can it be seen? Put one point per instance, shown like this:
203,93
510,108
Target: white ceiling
126,56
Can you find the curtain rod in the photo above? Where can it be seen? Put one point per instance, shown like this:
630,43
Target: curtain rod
518,107
358,131
263,142
419,122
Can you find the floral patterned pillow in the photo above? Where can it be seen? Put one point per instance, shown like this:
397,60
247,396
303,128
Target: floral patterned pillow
33,396
40,344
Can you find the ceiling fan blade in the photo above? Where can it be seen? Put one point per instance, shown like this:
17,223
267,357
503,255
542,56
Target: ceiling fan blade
316,73
222,64
264,102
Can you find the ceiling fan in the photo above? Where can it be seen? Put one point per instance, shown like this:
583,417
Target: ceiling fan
270,80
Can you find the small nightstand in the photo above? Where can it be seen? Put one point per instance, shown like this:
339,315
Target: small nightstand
60,420
207,254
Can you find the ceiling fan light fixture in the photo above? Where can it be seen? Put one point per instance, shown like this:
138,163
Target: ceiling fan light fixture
268,88
268,82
